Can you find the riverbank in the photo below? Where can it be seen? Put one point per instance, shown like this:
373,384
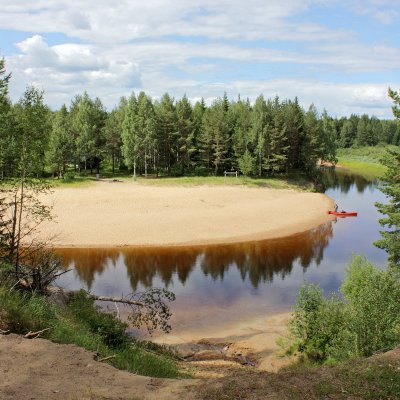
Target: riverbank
110,213
69,372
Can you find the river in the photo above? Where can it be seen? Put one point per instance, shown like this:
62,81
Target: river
221,284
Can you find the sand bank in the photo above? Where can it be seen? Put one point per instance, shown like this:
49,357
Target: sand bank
130,214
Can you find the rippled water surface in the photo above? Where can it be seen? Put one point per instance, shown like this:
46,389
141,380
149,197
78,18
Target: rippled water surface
219,284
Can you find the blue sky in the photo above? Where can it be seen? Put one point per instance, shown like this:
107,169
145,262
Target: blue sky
340,55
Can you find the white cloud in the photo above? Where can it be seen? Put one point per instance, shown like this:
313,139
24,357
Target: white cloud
132,45
384,11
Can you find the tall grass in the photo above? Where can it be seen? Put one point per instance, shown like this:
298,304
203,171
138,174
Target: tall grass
83,324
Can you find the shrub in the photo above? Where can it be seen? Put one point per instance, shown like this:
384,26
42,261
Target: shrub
373,299
366,320
317,323
111,330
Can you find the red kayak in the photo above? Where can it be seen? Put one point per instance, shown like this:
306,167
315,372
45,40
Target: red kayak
343,213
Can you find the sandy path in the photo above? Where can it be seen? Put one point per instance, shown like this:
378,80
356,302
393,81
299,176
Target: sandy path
126,213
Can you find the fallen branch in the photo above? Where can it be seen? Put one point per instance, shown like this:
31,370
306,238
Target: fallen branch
4,332
34,335
106,358
116,300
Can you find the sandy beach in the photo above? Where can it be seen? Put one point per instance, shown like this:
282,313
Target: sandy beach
130,214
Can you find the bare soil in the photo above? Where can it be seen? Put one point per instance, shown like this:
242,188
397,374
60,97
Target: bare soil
38,369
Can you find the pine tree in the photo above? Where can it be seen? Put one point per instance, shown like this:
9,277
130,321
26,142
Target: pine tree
278,147
260,127
147,126
242,140
214,139
130,135
167,132
113,132
312,145
186,132
294,122
391,187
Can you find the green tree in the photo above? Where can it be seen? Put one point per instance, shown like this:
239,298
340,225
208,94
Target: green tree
167,131
328,139
214,140
312,144
390,186
277,150
31,133
6,125
347,134
146,124
294,122
113,132
198,113
260,120
186,132
139,133
131,135
242,140
21,209
61,146
88,118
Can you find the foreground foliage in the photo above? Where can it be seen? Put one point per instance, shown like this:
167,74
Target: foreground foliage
364,321
83,324
391,188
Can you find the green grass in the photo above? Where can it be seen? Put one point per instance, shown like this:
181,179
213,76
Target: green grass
292,181
84,325
364,161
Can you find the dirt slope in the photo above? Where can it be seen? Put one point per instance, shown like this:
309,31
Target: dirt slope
41,370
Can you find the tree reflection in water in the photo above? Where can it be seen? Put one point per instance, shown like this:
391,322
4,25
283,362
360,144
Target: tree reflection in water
257,262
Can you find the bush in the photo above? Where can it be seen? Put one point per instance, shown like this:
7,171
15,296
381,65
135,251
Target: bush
111,330
373,299
69,176
366,320
317,323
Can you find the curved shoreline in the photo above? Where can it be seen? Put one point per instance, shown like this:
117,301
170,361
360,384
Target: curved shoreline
130,214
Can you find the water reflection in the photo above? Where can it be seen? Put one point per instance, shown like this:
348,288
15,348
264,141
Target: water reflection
216,284
345,181
256,262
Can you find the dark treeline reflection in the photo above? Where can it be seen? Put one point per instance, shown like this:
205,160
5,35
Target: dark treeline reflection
256,261
344,180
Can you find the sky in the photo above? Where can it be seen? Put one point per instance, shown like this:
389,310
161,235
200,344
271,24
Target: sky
340,55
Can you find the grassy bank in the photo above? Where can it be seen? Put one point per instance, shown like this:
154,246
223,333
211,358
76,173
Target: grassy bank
283,181
84,325
364,161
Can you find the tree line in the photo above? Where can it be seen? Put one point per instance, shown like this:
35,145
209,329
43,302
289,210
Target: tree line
174,137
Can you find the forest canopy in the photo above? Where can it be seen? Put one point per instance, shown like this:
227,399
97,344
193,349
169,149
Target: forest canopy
171,136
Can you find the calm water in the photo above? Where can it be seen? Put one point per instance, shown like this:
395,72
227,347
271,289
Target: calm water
220,284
